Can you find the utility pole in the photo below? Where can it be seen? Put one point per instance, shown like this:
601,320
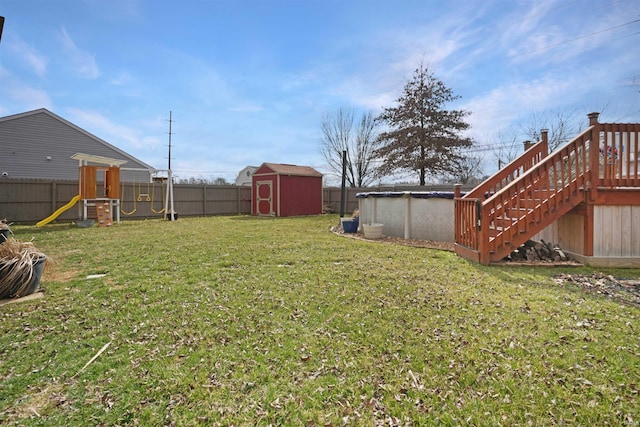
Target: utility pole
343,191
169,210
170,121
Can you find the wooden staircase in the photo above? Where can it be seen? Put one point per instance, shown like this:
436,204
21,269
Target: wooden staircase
538,188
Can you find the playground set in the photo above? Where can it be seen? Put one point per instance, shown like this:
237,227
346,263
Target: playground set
100,202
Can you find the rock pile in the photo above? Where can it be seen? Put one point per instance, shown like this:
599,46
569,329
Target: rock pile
538,251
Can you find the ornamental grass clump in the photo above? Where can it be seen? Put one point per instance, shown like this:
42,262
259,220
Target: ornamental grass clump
21,266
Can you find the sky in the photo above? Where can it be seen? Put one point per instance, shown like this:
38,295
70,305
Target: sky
249,81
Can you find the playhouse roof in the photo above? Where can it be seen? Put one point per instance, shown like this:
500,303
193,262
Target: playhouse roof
101,160
286,169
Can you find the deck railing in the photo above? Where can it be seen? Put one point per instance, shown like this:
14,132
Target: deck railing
617,163
530,193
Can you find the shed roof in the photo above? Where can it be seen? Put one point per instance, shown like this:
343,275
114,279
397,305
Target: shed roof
286,169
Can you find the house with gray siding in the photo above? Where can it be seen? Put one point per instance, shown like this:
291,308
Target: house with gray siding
39,144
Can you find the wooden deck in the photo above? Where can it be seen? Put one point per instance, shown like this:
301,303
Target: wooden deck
580,179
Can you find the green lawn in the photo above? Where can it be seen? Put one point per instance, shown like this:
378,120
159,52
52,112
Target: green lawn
251,321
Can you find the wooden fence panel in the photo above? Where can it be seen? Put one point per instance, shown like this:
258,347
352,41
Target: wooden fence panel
29,201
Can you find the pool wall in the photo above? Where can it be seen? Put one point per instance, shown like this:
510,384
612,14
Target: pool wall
410,215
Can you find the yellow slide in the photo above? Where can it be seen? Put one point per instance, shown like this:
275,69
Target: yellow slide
54,215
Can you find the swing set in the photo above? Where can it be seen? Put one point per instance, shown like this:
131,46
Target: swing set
147,197
167,200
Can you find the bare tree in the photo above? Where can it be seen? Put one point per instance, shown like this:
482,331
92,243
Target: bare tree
200,180
339,134
468,170
563,125
505,146
220,181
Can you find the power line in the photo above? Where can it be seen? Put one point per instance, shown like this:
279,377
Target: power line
581,37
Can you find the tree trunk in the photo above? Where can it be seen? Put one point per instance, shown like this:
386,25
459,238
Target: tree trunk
422,168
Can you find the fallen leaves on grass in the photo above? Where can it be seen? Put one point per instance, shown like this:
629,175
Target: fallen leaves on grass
626,291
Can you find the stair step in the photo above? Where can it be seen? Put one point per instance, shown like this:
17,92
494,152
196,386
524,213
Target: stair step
519,214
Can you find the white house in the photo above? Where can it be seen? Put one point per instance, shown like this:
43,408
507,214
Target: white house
244,177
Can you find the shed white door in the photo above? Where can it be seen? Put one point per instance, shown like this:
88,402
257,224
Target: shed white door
264,197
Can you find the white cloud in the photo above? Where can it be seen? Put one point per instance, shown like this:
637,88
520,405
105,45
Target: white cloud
103,128
121,79
295,81
247,107
551,34
29,55
28,98
504,105
387,59
84,63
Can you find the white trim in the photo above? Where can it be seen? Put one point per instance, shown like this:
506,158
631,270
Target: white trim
603,261
101,160
258,199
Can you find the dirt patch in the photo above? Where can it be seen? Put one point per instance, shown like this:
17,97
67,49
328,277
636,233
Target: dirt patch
448,246
429,244
626,291
30,297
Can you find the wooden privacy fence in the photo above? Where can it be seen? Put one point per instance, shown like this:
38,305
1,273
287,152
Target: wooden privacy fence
29,201
26,201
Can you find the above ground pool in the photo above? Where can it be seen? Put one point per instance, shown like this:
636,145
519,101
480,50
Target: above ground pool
423,215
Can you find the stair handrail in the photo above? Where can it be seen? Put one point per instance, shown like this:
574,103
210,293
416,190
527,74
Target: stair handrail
490,208
512,170
545,159
468,207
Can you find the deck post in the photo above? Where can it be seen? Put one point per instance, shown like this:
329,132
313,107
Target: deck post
457,220
457,191
544,136
594,154
588,230
483,235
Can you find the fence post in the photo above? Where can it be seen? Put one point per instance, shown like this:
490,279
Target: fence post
204,199
238,198
53,196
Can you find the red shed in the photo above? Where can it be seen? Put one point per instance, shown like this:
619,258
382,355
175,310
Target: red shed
286,190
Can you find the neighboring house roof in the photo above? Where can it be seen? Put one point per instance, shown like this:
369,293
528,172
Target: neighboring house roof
39,144
244,176
285,169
